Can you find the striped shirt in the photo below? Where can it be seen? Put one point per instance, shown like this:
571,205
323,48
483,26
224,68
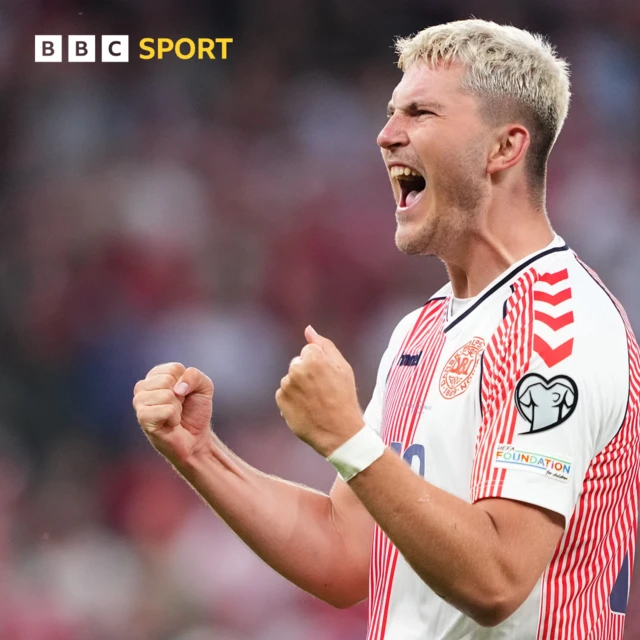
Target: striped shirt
531,393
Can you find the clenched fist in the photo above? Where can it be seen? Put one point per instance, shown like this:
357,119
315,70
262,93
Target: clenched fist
318,397
173,406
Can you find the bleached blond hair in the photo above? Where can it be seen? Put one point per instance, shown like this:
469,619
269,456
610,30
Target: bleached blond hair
516,74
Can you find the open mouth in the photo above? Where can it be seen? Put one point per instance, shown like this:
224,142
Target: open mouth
411,184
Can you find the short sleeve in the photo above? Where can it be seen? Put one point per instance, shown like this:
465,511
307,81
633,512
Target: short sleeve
544,423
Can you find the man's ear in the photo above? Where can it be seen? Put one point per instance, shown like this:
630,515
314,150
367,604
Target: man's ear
509,148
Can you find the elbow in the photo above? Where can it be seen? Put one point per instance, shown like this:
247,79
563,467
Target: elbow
489,617
493,612
344,596
343,604
342,601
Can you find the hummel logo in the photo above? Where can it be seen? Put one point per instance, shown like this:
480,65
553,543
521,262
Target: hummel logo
407,360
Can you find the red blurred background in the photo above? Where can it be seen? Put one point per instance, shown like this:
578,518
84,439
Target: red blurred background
206,212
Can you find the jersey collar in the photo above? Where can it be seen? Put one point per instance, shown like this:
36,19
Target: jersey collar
556,245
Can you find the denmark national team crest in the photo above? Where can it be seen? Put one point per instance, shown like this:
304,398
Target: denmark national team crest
458,372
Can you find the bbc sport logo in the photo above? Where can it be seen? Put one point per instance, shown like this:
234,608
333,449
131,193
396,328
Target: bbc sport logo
116,48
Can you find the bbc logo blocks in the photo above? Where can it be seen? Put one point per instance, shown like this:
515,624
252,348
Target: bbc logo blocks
82,49
48,48
115,48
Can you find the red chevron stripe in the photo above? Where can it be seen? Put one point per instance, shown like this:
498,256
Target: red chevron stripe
554,278
551,356
555,323
554,299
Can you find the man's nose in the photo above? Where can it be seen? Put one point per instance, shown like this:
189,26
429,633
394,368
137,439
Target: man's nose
393,134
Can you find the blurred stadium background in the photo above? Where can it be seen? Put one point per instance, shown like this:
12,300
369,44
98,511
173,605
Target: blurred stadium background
206,212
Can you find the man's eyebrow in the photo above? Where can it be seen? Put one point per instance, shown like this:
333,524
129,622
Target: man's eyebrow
416,105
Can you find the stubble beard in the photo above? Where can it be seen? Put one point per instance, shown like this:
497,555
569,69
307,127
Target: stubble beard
459,202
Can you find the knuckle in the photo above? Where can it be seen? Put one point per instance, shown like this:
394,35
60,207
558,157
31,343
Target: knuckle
312,353
174,369
307,351
164,396
166,381
158,381
157,414
146,417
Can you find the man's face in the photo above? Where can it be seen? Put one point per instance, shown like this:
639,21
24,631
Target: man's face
437,132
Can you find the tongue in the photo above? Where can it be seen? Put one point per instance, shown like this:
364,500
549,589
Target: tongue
412,196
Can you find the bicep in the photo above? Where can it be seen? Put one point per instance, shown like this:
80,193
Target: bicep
528,536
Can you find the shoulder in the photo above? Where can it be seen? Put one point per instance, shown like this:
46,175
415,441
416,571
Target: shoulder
570,302
402,328
579,331
407,322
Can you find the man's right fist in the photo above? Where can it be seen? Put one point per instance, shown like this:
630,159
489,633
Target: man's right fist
173,406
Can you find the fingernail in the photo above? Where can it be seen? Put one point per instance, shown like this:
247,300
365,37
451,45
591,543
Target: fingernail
181,388
313,331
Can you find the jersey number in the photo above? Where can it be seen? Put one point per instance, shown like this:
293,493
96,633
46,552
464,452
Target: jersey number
620,592
413,455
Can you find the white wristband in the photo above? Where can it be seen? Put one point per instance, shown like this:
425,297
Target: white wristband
357,453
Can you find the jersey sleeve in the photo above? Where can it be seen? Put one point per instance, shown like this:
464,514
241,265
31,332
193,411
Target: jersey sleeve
552,399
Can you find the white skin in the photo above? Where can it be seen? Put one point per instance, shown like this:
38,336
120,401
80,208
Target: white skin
479,216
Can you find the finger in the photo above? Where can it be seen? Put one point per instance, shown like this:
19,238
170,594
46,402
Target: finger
159,416
175,369
313,337
311,352
297,370
295,362
157,381
194,381
279,399
156,397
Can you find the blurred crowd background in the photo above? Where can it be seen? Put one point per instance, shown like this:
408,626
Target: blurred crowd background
206,212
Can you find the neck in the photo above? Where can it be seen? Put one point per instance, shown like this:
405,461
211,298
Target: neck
503,236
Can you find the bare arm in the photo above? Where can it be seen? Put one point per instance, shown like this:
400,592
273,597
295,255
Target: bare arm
483,558
320,543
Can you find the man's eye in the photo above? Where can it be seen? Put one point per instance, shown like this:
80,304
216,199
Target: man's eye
424,112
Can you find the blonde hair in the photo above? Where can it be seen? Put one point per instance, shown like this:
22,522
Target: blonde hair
515,72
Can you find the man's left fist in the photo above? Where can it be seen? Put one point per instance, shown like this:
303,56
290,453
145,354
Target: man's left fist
318,396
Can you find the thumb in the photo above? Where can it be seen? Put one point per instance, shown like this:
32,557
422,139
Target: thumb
313,337
193,381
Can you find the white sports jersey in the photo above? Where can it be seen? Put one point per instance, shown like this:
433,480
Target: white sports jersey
531,393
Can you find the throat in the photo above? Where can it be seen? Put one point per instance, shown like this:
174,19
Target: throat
459,305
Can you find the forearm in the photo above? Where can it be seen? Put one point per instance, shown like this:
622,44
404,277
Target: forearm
452,545
292,528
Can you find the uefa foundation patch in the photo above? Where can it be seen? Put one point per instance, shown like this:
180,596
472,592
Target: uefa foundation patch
506,456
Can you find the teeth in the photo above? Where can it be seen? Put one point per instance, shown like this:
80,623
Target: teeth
398,171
